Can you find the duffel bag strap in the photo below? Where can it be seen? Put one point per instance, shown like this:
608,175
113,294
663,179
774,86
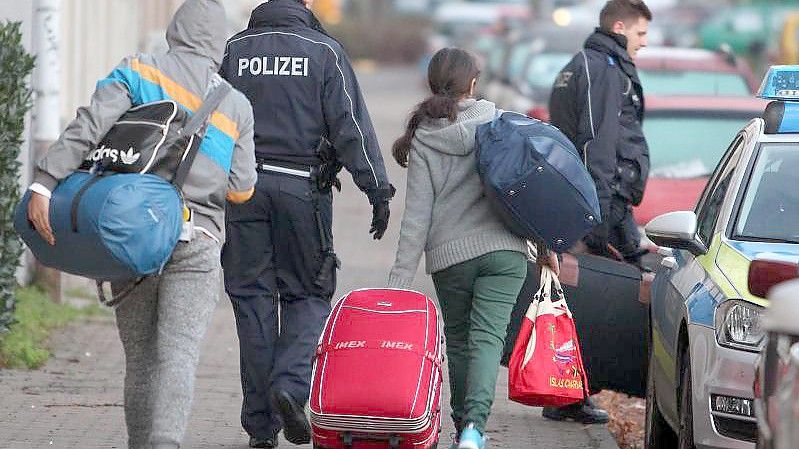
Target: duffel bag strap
197,125
120,296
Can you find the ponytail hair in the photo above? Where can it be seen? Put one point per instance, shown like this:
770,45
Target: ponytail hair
450,77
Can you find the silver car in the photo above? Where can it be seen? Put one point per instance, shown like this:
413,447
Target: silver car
705,323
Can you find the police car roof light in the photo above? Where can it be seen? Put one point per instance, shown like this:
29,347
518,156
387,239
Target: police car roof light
781,117
781,83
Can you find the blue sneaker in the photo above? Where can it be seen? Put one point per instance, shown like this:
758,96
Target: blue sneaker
471,438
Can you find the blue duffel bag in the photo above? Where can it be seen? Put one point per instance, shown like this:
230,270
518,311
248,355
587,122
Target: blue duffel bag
114,227
534,177
113,223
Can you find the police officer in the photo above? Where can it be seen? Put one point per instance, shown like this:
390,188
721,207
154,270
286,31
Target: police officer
598,102
310,120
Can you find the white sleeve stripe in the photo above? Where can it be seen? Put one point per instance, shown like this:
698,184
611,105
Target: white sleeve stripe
590,106
343,81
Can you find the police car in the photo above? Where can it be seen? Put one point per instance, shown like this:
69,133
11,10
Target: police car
705,331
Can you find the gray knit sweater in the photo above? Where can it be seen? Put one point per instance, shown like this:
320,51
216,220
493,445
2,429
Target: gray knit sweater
446,213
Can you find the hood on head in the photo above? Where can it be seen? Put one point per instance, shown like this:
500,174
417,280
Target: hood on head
281,13
456,138
200,27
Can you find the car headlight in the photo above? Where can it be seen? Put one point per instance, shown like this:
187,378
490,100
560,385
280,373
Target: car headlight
738,325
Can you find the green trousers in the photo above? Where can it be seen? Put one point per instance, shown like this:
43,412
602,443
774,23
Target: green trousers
477,297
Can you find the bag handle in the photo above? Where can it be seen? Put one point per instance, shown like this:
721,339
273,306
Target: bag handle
197,126
497,114
551,285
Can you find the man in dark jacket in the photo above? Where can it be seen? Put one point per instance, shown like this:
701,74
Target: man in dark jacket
598,102
310,120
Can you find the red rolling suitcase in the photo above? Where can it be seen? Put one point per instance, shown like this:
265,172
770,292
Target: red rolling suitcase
377,373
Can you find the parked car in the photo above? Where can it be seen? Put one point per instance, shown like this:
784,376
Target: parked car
666,71
520,69
687,136
749,29
705,323
531,95
678,25
457,22
777,378
529,92
501,88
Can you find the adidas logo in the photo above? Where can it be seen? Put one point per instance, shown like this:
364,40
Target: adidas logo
129,157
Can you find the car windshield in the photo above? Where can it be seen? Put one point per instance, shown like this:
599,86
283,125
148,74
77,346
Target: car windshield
545,67
770,208
674,82
689,145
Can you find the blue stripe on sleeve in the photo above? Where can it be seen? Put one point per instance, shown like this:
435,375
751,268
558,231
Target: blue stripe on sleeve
218,147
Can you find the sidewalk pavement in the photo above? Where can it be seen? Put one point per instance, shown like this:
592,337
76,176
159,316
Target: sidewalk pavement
75,401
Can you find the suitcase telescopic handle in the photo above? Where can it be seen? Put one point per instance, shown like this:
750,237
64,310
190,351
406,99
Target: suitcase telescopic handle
349,440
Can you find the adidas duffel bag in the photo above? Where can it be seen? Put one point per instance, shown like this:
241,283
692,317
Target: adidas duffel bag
113,227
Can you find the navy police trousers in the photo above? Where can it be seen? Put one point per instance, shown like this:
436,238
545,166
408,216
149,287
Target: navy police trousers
272,260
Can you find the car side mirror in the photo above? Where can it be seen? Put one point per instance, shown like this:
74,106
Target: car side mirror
765,274
676,230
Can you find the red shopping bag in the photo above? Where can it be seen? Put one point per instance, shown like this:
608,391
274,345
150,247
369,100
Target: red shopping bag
546,366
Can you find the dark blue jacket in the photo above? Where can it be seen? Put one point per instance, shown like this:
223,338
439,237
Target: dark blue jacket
598,102
307,103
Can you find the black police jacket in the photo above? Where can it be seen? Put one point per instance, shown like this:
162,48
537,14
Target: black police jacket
598,102
307,103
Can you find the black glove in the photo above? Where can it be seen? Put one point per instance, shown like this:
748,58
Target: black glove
380,215
597,240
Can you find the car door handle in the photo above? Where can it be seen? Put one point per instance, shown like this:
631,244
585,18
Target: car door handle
669,262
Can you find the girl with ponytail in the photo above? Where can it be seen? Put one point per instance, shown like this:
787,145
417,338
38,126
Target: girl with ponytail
478,266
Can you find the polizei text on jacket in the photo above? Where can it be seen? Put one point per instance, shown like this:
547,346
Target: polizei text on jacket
274,66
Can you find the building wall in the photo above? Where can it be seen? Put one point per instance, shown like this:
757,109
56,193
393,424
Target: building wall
95,36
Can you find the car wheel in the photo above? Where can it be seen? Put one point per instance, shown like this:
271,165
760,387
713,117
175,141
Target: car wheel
658,434
686,432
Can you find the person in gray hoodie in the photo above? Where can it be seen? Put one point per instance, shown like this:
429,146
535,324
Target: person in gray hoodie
478,266
163,321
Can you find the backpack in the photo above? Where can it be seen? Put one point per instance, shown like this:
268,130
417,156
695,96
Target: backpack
535,179
143,140
122,218
150,138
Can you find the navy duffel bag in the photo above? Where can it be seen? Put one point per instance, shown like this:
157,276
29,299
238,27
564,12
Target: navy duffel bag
534,176
116,227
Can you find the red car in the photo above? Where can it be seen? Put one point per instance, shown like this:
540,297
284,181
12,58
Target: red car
687,136
667,71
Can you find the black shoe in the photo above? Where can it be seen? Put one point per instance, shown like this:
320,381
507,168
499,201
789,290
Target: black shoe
263,443
296,429
584,412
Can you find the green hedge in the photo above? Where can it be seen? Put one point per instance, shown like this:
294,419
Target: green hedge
16,66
